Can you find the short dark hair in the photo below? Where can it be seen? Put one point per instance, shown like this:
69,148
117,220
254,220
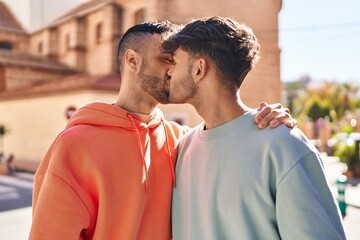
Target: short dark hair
231,46
134,37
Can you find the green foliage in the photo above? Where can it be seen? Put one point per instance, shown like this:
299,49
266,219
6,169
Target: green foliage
344,149
315,108
2,130
320,99
347,129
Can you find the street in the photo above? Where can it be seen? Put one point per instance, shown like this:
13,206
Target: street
15,202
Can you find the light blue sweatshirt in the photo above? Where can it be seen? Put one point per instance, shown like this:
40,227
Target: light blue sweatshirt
238,182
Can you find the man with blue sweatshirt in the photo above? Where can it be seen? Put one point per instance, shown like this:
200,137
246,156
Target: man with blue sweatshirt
233,180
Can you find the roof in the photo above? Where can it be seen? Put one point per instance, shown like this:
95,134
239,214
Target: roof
75,82
23,59
81,10
8,20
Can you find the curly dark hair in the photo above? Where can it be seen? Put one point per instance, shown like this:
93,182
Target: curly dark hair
231,46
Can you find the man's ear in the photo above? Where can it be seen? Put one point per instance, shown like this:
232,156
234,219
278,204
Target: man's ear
132,60
200,69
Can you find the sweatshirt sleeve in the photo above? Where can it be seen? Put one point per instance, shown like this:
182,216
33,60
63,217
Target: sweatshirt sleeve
58,212
306,208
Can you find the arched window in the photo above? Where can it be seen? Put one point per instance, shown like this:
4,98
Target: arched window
139,16
6,45
67,42
98,33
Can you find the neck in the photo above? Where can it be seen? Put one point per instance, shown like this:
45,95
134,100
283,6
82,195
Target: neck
144,116
136,101
220,108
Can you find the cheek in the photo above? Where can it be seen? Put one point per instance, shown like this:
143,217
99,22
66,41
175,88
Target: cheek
158,68
177,70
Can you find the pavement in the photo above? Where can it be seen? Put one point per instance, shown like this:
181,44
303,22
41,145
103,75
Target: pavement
15,205
16,192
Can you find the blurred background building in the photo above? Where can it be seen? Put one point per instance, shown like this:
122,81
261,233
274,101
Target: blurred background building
58,55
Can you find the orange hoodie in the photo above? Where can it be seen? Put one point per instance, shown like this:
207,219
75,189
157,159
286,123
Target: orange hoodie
107,176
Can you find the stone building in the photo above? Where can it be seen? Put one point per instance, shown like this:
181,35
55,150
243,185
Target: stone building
45,74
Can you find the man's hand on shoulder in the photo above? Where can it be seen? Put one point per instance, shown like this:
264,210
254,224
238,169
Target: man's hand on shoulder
274,115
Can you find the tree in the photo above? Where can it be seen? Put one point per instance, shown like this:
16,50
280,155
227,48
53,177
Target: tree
316,108
319,99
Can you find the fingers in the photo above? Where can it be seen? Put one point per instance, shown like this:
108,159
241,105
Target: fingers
263,104
266,108
279,119
274,115
291,123
264,111
274,118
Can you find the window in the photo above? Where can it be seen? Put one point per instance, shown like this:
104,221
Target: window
70,111
6,45
139,16
40,47
67,42
98,33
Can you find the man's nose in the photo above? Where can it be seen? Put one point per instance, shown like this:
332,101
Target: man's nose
170,70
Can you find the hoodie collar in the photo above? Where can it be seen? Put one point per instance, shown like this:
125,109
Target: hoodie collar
99,113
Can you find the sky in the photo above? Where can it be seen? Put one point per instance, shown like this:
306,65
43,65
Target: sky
318,38
321,39
33,14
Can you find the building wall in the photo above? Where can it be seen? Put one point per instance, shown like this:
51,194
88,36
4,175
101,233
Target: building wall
19,77
263,84
33,123
100,51
39,43
76,41
19,41
185,114
2,79
130,10
67,36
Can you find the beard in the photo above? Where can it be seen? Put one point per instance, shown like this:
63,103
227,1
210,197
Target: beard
154,86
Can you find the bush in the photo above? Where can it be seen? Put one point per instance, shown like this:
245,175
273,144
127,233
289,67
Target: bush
344,145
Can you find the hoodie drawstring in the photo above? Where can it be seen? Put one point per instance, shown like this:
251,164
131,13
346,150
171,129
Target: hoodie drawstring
142,157
172,170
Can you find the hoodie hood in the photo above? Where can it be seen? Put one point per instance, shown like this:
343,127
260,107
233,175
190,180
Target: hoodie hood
103,114
108,115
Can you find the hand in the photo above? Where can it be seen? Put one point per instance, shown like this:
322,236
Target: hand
274,115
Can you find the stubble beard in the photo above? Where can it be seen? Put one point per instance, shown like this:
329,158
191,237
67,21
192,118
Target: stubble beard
185,90
154,86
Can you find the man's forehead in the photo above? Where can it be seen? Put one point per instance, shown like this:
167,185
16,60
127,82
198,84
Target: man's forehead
155,37
180,52
154,42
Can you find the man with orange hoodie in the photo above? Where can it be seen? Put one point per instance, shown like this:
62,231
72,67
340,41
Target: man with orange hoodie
110,173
